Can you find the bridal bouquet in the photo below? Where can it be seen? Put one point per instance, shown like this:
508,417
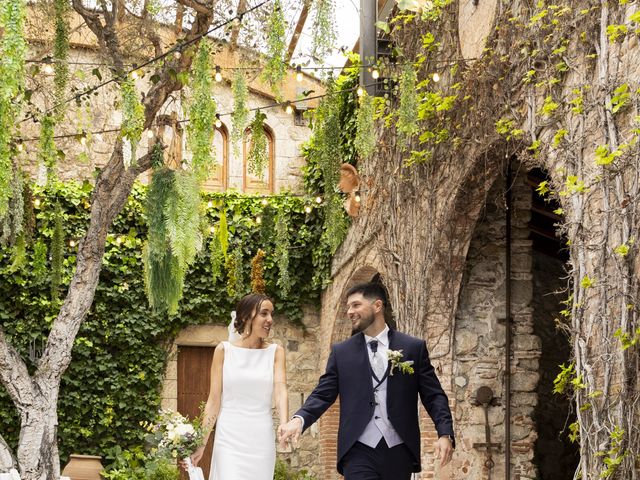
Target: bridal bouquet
174,436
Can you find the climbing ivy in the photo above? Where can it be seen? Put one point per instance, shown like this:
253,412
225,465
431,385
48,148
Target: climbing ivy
132,116
60,55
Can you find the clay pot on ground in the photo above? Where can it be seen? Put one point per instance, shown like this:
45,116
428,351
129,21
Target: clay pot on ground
83,467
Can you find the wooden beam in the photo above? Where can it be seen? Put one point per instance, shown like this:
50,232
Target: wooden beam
302,19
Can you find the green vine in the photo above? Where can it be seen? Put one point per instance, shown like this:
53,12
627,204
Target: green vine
48,153
57,253
202,113
234,274
132,117
365,142
257,272
324,33
282,253
240,110
12,222
275,68
61,55
13,49
258,155
407,124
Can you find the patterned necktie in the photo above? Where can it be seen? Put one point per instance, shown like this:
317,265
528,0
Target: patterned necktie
376,360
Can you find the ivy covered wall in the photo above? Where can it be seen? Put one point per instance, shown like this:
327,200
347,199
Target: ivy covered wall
119,356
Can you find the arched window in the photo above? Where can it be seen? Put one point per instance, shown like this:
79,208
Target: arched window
253,183
218,179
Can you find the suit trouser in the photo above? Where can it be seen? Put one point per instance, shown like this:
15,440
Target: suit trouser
362,462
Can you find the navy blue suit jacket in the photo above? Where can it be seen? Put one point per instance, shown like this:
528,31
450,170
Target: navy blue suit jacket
348,375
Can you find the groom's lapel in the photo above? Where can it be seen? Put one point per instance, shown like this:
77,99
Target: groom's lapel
392,379
361,364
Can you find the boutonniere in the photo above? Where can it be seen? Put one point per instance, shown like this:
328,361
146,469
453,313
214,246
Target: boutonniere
395,359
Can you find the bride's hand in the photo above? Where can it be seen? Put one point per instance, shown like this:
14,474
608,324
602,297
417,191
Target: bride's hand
197,456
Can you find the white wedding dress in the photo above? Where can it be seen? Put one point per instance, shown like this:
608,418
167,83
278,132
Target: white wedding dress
244,442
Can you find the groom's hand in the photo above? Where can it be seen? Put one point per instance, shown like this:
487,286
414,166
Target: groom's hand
290,431
444,450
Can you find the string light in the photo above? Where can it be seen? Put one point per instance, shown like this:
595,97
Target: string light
212,229
436,77
258,220
360,91
318,200
20,146
82,139
307,209
119,240
357,198
72,243
289,108
218,74
135,75
218,121
48,68
150,134
299,73
36,203
209,204
264,202
375,74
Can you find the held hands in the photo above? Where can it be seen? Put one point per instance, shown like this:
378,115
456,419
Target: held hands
290,432
444,450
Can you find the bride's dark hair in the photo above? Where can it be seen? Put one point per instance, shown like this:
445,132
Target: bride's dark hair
247,308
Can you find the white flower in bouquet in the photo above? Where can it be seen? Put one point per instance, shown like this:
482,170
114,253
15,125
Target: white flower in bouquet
174,436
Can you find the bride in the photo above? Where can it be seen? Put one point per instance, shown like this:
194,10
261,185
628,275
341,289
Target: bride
246,373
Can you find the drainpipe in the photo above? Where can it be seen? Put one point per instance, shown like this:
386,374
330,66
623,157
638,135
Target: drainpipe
507,359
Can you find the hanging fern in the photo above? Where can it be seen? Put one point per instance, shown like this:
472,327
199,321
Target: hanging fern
61,55
57,253
216,258
257,273
234,274
276,69
29,222
202,114
324,32
182,210
407,124
163,279
223,233
258,155
335,223
48,153
282,253
39,263
132,116
19,254
13,48
12,222
365,142
240,110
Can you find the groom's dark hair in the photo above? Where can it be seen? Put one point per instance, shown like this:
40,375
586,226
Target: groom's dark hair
370,291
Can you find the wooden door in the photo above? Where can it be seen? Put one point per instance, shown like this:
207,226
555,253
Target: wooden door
194,378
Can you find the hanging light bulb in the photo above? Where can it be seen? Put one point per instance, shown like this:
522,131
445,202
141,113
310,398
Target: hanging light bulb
318,199
289,108
360,91
135,75
307,209
36,202
375,74
20,146
298,73
48,68
82,138
258,220
218,74
264,202
436,77
357,198
212,229
209,204
119,240
72,243
150,134
218,121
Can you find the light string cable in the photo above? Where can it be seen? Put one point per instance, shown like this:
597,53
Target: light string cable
176,48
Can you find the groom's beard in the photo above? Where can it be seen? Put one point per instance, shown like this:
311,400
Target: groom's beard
363,324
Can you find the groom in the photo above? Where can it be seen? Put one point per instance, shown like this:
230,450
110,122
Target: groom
379,437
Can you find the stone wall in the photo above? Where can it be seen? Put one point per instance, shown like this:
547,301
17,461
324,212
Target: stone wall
479,346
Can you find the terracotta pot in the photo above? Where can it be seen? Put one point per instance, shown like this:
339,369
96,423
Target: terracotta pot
83,467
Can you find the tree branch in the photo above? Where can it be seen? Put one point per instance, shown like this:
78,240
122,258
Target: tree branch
7,460
14,374
199,7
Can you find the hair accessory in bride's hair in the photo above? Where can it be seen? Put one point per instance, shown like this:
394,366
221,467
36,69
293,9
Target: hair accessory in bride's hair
233,334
